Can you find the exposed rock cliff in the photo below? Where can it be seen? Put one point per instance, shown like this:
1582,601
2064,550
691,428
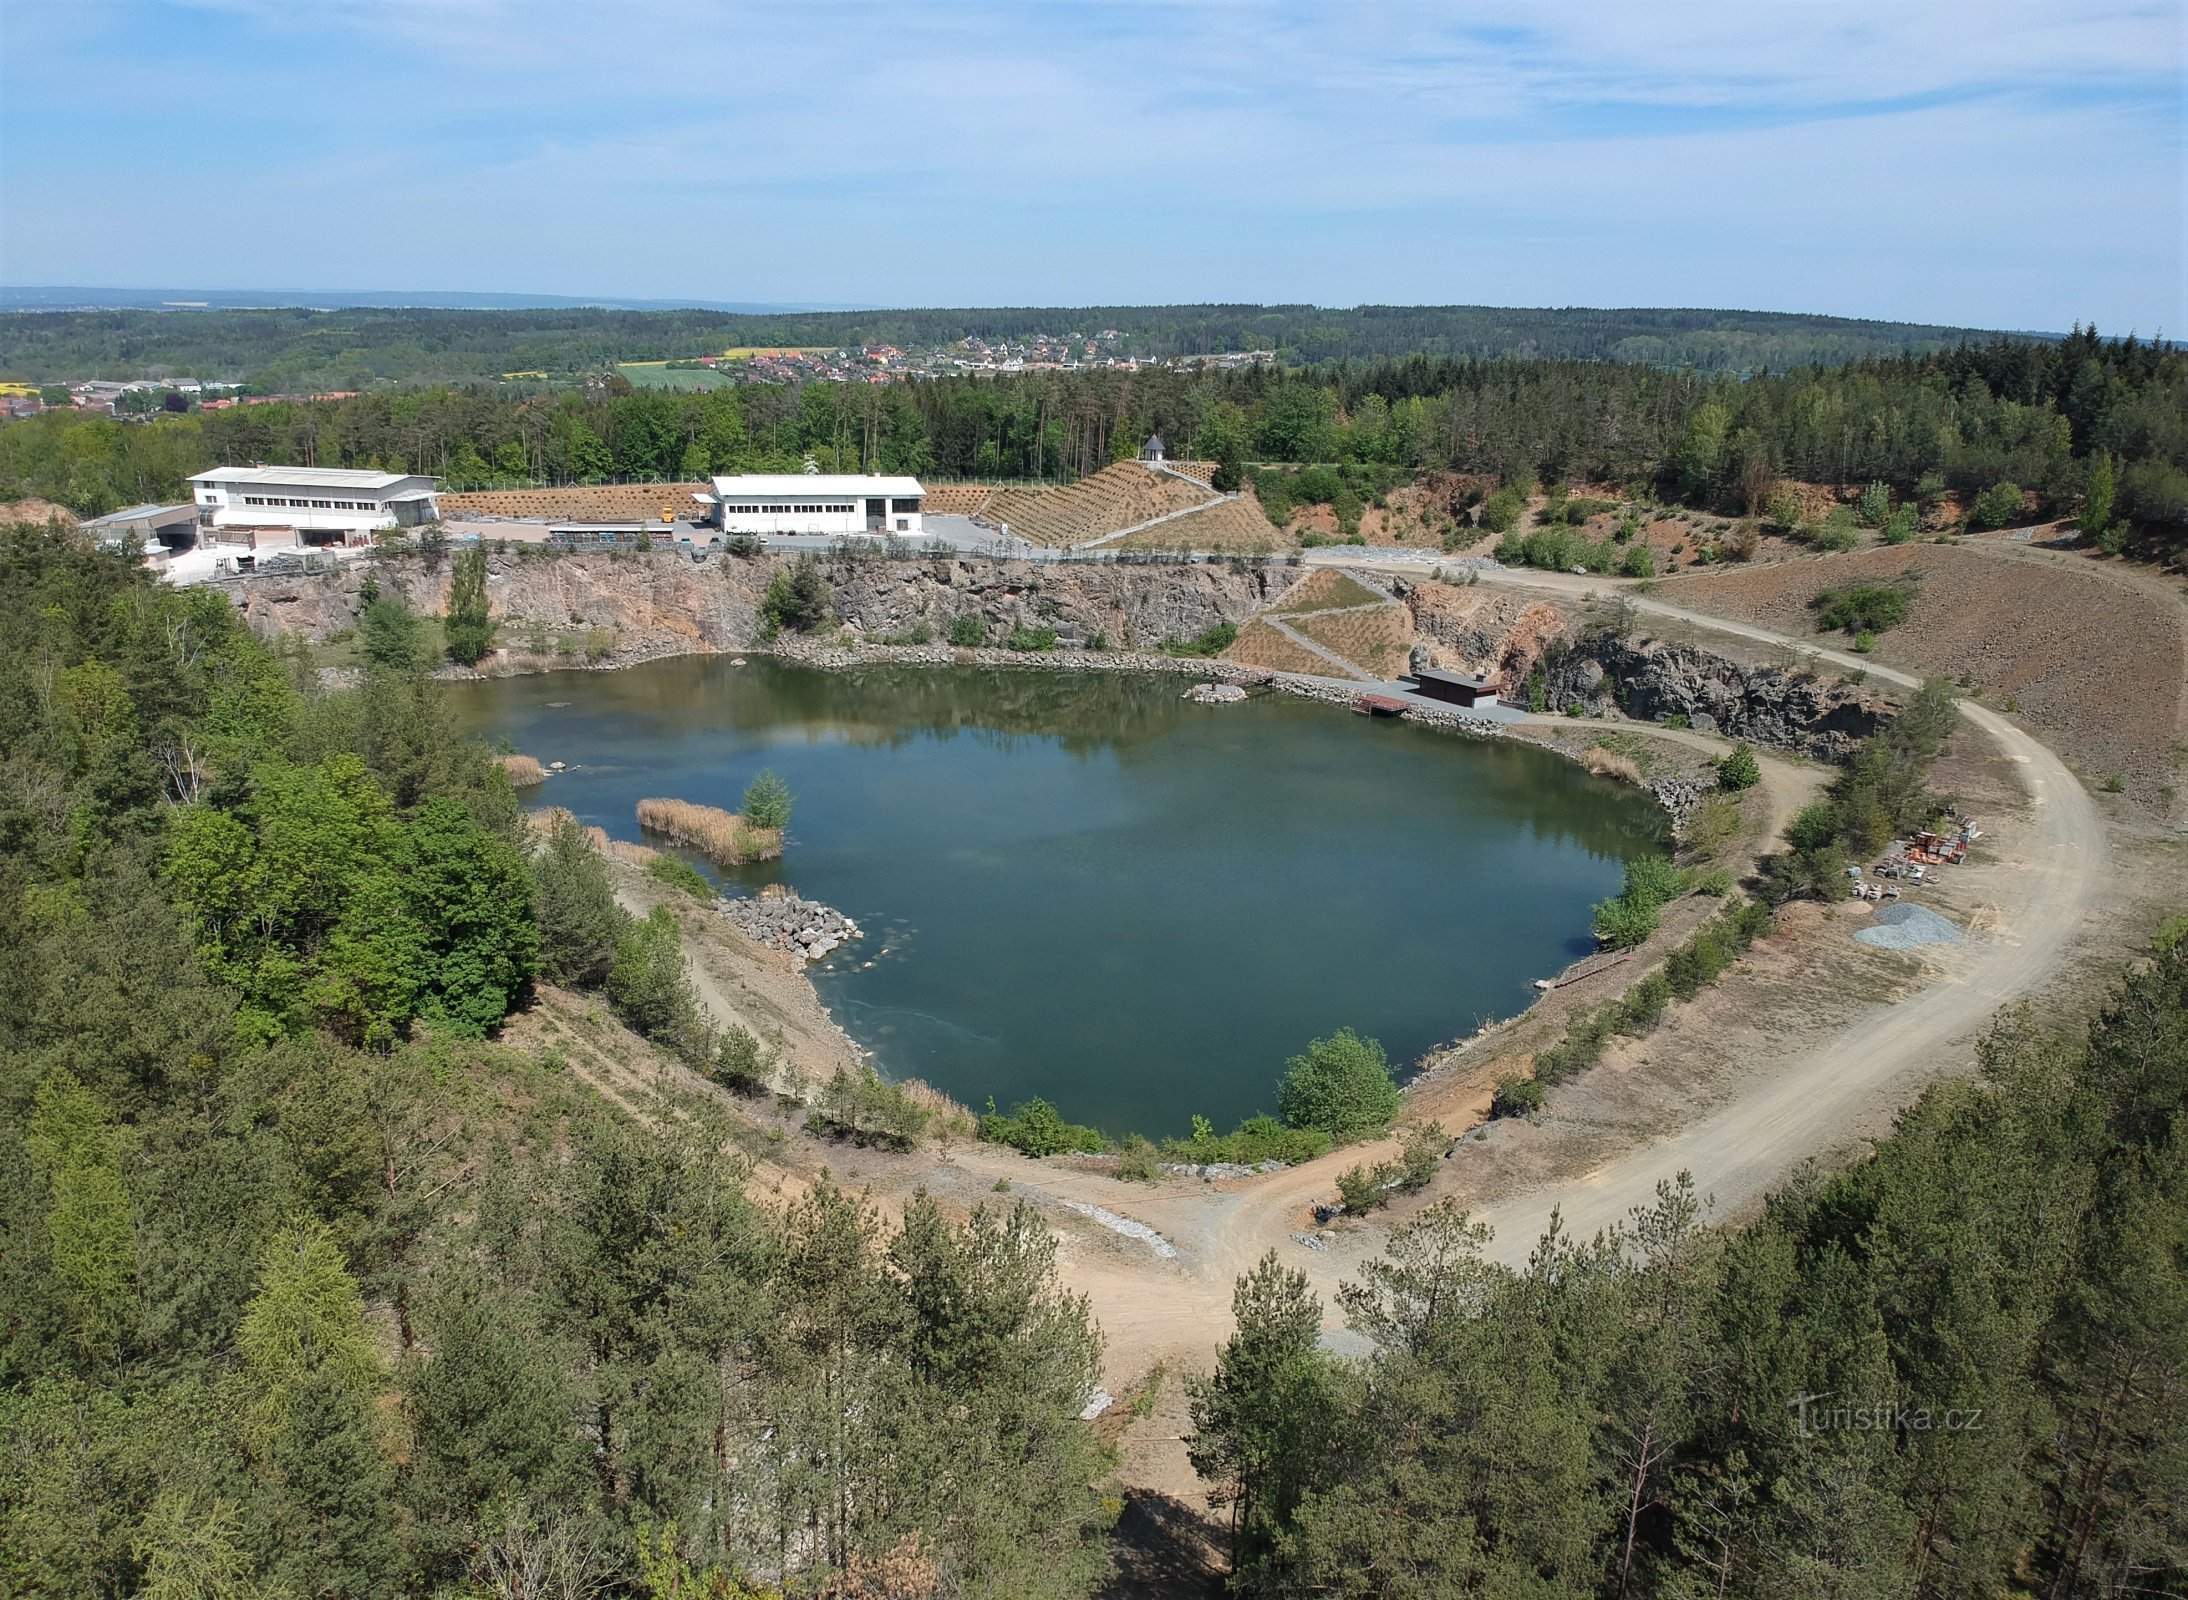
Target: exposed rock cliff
1477,629
638,605
1651,680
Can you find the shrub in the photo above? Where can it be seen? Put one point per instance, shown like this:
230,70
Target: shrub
1137,1158
1038,1129
863,1107
678,873
1423,1148
1638,562
1998,506
1363,1189
1209,642
1501,512
1862,606
1650,881
1342,1085
1838,531
1516,1097
767,800
1899,527
1739,769
1621,923
968,632
1876,505
1255,1140
740,1062
2116,783
648,989
1716,884
392,636
1024,638
797,597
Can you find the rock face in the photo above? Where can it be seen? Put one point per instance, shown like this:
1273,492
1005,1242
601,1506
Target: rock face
1651,680
782,921
646,604
1492,633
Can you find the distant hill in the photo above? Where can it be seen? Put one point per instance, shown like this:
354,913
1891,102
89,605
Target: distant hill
75,298
357,345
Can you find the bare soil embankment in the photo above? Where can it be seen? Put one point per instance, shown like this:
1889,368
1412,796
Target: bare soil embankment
2094,657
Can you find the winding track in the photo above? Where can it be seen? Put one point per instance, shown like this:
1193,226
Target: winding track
1737,1153
1154,1309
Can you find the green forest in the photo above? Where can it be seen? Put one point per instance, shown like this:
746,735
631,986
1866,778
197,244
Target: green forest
315,1285
356,346
2074,422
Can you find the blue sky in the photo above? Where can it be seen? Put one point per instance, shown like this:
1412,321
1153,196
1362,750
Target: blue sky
2007,163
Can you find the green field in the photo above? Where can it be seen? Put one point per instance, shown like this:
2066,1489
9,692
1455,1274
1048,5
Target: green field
660,375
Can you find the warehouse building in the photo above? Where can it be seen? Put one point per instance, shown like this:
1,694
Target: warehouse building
154,527
325,505
825,503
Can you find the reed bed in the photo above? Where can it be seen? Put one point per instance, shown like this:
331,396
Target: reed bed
721,836
635,855
1608,764
524,772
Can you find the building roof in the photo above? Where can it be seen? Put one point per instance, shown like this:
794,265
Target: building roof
308,477
145,513
1460,679
777,485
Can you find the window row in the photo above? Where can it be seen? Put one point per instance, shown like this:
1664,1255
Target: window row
755,511
310,505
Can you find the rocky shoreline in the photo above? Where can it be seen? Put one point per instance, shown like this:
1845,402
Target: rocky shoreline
782,921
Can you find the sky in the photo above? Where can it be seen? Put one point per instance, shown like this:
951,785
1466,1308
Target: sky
1995,163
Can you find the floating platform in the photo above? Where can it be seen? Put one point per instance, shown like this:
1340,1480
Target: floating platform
1378,705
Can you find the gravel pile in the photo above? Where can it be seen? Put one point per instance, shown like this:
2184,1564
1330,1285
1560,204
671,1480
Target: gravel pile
1903,926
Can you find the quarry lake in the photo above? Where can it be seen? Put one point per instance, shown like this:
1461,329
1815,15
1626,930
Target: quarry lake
1091,890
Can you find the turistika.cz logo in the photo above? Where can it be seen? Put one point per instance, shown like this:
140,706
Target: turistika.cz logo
1827,1413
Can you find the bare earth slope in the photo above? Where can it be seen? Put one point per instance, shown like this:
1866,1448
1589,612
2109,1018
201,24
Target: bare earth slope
2094,656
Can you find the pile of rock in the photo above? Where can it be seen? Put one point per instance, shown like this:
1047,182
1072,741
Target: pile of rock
1680,798
782,921
1215,694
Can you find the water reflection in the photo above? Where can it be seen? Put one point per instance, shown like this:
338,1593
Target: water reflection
1133,905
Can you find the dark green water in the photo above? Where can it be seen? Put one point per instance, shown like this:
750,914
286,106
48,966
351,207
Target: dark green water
1091,890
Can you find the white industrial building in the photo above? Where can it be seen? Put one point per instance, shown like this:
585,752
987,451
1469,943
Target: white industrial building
825,503
325,505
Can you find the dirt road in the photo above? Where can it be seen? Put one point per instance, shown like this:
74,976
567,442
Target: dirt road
1153,1309
1175,1309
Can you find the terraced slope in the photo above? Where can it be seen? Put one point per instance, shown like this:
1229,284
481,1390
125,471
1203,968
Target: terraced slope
957,499
1120,496
1232,526
1375,638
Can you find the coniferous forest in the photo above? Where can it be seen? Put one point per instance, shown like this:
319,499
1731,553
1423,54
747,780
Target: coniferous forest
2057,418
311,1284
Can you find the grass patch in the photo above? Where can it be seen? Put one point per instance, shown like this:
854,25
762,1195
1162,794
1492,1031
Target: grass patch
1330,590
